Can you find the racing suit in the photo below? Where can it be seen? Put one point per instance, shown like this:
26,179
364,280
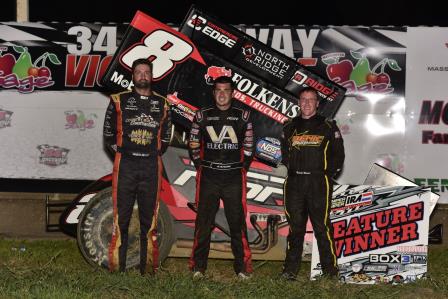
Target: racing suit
313,152
138,130
221,148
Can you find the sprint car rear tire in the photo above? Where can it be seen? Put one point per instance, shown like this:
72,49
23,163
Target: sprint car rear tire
95,229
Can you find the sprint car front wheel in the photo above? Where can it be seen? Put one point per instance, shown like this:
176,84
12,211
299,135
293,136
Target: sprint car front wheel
94,231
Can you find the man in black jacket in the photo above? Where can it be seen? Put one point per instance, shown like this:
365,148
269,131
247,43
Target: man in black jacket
221,147
137,130
313,152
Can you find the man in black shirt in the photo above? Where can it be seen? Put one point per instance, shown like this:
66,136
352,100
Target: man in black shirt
137,130
221,147
313,152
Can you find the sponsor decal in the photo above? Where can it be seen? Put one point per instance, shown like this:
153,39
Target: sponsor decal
302,139
154,106
154,109
5,118
289,41
399,258
262,217
141,137
52,155
142,120
436,185
130,104
299,77
214,72
261,187
262,108
360,78
324,91
181,107
419,259
23,73
386,258
367,196
269,149
76,119
265,61
212,30
263,100
120,80
248,51
219,142
345,204
433,113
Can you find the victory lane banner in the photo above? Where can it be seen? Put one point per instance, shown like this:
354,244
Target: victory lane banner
380,234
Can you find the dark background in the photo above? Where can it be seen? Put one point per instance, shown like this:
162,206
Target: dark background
293,12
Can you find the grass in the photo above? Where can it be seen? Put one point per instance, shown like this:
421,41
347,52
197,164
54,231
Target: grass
56,269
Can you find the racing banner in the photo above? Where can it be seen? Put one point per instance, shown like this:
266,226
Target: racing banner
426,140
267,81
380,233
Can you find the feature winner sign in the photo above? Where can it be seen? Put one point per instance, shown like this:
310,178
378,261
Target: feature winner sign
380,233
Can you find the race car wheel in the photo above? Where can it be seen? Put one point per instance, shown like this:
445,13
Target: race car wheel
94,231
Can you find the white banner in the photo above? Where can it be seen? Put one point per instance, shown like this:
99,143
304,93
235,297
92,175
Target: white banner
427,108
53,135
395,113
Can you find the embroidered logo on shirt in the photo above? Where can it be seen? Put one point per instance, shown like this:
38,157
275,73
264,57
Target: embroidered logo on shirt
303,139
141,137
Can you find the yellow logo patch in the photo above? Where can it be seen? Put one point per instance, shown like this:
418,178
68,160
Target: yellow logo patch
141,137
306,140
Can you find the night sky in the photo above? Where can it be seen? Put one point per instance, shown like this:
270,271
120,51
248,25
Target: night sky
293,12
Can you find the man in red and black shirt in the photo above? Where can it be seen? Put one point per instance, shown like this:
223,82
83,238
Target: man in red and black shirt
137,130
221,147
